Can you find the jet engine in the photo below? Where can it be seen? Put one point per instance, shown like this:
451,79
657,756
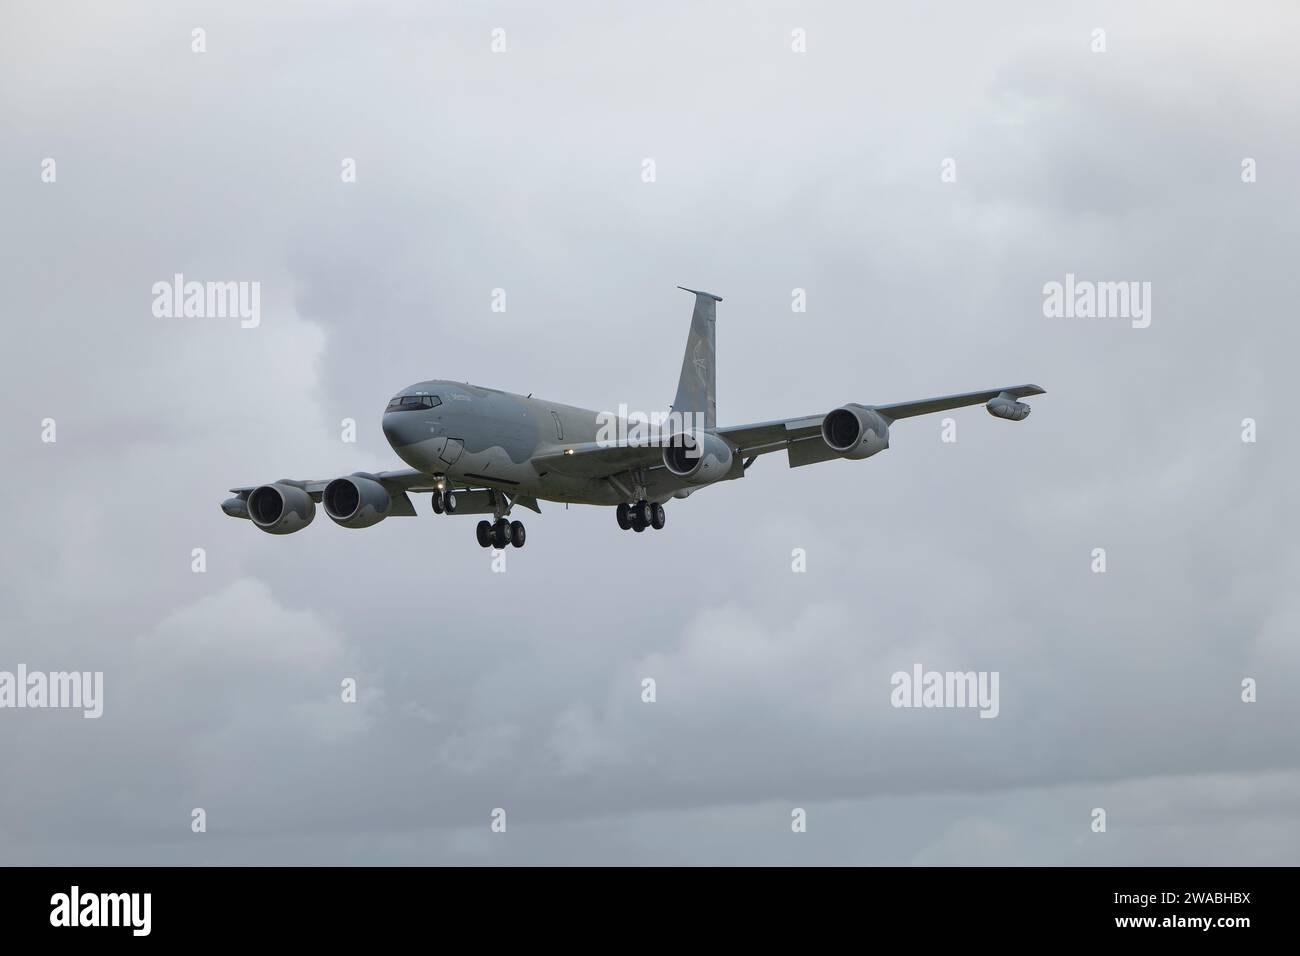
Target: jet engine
698,458
280,508
356,502
855,431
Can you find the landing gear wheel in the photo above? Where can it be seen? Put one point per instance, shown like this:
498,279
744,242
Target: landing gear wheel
624,515
642,512
638,525
500,533
437,502
449,501
657,516
484,534
517,534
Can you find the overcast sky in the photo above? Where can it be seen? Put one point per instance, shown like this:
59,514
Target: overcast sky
775,170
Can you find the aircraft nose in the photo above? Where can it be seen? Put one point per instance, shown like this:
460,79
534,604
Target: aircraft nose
399,428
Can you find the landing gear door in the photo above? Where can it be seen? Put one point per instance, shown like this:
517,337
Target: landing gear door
451,450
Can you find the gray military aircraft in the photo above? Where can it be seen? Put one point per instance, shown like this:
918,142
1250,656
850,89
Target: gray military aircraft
484,452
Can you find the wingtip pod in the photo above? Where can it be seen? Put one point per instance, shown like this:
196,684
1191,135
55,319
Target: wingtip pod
715,298
1006,406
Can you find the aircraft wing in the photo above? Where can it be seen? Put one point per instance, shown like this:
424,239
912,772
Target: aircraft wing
397,482
764,437
751,438
403,479
599,459
469,501
602,459
928,405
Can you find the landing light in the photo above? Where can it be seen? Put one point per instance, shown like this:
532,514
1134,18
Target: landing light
568,451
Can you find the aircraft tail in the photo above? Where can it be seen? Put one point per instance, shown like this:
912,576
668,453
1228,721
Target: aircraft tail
697,386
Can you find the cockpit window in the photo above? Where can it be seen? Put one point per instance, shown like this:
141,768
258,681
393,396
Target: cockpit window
406,403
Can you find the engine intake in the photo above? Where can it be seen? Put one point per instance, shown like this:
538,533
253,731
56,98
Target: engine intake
280,508
356,502
697,458
855,431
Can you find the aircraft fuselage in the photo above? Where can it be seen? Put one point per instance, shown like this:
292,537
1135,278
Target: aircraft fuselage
481,436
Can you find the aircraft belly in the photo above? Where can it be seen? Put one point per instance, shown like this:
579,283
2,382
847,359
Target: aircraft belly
491,466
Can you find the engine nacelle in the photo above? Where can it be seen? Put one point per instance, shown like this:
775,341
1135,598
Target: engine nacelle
1008,408
280,508
356,502
697,458
855,431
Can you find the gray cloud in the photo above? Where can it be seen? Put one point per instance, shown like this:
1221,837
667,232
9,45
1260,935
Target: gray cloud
775,171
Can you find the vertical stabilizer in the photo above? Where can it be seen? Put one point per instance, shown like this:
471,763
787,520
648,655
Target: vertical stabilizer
697,386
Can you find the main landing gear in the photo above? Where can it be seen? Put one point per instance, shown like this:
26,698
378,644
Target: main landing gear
500,533
644,514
